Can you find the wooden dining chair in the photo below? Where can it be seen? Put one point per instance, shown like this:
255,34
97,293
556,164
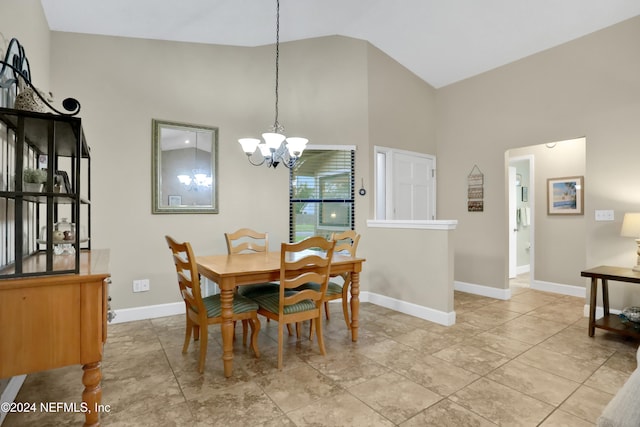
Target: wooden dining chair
346,242
202,312
299,265
246,240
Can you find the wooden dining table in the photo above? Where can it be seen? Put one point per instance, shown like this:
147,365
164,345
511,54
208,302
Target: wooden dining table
230,271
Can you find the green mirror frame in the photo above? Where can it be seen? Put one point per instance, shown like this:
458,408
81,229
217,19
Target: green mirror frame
184,172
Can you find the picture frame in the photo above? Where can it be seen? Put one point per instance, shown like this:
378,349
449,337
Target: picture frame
525,194
175,200
63,182
565,196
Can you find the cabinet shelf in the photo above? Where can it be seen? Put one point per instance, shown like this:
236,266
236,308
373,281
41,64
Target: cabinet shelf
41,197
37,131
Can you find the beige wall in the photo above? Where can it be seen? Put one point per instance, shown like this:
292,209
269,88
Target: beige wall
588,87
25,21
411,266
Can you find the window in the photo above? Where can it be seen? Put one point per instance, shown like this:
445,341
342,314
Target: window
321,193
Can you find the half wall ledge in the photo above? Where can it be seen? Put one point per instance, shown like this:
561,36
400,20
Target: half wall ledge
436,224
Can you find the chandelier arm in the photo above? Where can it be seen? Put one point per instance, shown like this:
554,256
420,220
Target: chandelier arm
264,159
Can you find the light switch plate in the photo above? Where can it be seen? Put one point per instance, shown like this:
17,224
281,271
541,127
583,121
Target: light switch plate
604,215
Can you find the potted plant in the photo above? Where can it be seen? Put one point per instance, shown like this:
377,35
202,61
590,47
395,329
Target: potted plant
33,179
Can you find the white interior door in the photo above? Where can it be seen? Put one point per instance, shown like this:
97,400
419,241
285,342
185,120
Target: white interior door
513,226
413,178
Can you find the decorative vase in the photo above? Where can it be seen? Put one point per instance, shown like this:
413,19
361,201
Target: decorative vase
34,187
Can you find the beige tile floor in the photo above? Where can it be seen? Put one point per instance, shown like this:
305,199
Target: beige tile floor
523,362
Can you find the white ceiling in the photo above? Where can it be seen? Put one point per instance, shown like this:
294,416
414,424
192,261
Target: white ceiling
441,41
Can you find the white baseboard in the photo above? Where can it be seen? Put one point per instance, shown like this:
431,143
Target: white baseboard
426,313
599,311
148,312
522,269
171,309
558,288
485,291
9,393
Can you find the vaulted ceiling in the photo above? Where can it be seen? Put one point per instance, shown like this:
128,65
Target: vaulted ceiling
441,41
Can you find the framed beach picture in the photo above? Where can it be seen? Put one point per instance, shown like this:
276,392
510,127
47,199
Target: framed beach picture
565,196
175,200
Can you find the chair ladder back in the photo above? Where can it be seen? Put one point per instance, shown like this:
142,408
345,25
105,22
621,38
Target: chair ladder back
346,241
187,271
246,240
295,265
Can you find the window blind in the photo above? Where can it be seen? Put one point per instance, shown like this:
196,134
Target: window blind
321,193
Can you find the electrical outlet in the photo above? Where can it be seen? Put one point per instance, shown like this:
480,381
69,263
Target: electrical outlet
141,285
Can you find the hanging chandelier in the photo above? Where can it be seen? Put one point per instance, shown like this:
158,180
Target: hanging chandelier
275,148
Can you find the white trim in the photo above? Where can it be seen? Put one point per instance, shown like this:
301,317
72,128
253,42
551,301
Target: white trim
522,269
599,311
171,309
148,312
558,288
485,291
331,147
436,224
426,313
10,392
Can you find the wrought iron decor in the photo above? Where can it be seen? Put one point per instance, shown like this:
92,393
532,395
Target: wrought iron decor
15,69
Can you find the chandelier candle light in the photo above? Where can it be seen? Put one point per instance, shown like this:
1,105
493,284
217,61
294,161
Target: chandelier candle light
276,147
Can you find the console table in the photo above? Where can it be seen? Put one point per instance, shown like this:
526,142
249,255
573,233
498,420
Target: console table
47,322
609,322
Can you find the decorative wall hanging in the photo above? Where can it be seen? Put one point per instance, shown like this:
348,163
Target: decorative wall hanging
565,196
475,192
16,89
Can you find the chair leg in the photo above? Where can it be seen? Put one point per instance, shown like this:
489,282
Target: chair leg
245,324
326,309
280,344
204,338
345,305
289,329
318,323
196,332
187,335
311,328
255,328
298,329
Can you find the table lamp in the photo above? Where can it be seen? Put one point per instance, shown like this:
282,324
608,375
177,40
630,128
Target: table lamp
631,228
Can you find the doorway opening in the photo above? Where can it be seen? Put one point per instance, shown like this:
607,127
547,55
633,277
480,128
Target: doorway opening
521,196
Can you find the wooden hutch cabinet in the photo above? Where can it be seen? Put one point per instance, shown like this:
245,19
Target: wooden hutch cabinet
53,287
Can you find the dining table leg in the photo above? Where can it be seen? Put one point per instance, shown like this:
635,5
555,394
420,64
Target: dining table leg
226,302
355,304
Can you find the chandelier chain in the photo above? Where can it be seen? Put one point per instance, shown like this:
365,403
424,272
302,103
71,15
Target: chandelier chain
276,125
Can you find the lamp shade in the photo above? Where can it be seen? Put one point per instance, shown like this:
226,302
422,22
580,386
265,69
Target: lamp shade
296,145
249,144
273,140
631,225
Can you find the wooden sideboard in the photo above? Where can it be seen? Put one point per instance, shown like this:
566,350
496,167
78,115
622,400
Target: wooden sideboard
47,322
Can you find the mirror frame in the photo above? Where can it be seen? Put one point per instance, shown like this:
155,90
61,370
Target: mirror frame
156,181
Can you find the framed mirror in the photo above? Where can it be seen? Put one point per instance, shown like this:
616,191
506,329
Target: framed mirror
185,168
